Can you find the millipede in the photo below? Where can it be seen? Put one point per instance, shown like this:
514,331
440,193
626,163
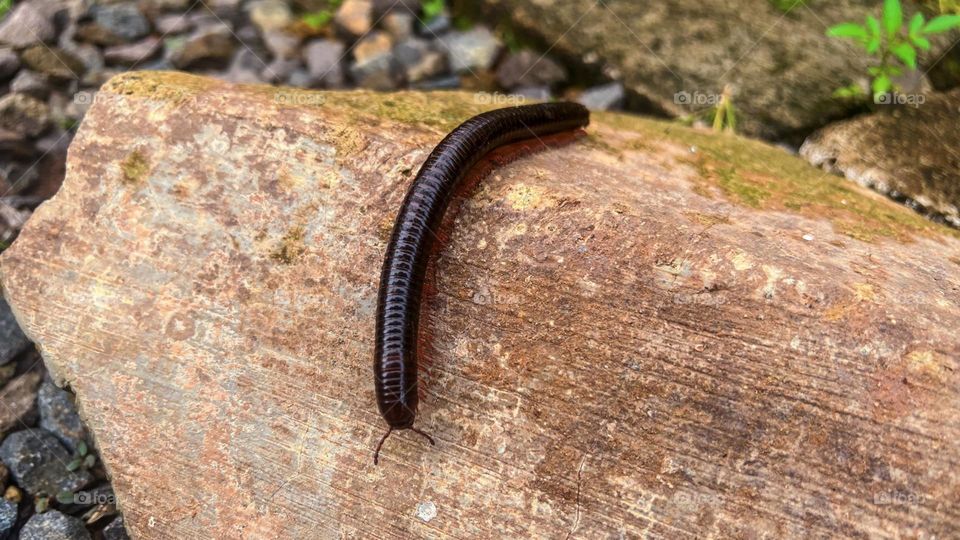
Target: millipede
405,263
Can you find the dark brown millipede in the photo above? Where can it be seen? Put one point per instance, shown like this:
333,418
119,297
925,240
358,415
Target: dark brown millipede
414,233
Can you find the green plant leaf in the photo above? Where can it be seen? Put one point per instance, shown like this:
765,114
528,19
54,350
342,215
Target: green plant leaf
5,6
74,464
916,23
82,448
873,28
65,497
432,9
317,19
892,17
942,23
921,42
848,92
904,51
89,461
848,30
881,85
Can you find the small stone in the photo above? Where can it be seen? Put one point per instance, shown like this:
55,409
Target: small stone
245,68
12,339
93,63
603,98
26,25
418,60
436,26
475,49
808,237
399,24
281,44
9,63
58,415
113,24
133,53
375,66
53,61
209,43
426,511
115,530
19,398
354,17
449,82
324,59
300,78
528,68
8,517
12,494
270,15
7,371
539,93
31,83
17,177
54,525
173,24
27,117
279,70
38,461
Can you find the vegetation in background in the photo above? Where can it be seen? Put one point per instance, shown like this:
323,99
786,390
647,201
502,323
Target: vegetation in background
786,5
893,43
432,9
5,7
316,20
724,116
84,459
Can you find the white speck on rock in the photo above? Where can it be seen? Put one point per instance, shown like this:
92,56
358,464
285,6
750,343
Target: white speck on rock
693,149
426,511
808,237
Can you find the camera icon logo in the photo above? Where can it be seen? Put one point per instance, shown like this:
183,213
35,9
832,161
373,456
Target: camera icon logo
682,98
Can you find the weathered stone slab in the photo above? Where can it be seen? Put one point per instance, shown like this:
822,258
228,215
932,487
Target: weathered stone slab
648,330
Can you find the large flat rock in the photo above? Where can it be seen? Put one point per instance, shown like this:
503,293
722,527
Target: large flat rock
647,330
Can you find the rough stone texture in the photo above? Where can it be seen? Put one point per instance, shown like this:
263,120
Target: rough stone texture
644,330
54,525
26,25
19,402
902,150
8,518
782,65
38,462
58,415
12,339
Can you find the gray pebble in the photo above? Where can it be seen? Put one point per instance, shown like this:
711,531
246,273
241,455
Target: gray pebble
12,339
58,415
38,463
604,97
52,525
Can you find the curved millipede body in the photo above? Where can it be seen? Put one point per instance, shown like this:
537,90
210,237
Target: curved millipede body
414,233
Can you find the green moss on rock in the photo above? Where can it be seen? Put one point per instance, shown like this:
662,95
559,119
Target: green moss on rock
765,177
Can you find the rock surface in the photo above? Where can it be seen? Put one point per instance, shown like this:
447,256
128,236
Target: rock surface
12,339
53,525
19,399
775,54
38,462
908,151
644,330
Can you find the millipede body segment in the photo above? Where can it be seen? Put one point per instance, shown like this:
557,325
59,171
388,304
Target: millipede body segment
414,233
